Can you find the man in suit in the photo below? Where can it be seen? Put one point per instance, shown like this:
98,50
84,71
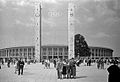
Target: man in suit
20,66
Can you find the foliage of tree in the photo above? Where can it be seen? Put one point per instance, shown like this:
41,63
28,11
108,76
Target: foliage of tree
81,46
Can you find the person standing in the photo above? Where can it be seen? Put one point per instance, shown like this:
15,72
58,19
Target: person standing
102,64
72,68
16,66
20,67
0,64
54,61
114,73
48,62
8,64
68,71
46,66
64,68
59,68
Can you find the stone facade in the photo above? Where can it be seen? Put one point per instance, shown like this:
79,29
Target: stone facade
56,51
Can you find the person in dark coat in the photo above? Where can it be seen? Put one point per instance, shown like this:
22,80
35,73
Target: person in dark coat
0,65
114,73
72,68
20,67
54,61
8,64
98,63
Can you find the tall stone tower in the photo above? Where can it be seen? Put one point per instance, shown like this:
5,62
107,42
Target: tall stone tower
38,31
71,30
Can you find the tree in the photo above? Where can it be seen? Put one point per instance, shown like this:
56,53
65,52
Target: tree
81,47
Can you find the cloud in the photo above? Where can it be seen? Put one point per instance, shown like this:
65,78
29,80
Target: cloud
100,35
111,20
31,2
18,22
76,20
49,22
50,1
3,2
15,8
21,2
1,9
90,19
32,19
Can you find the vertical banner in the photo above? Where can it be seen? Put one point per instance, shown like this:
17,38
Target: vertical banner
71,30
38,32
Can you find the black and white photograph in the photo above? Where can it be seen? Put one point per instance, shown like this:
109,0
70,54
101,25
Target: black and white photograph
59,40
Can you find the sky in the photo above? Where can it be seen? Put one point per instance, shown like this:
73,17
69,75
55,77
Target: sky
97,20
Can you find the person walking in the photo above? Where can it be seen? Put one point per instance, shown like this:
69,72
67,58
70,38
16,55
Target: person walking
59,68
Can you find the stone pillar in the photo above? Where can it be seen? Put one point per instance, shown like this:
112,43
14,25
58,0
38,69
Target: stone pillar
32,53
103,53
47,53
71,30
27,55
100,52
95,53
52,53
38,31
58,52
8,53
63,53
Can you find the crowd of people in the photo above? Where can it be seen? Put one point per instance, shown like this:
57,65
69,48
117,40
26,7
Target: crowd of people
46,63
66,68
18,64
100,64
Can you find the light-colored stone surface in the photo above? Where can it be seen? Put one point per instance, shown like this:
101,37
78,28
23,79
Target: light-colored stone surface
37,73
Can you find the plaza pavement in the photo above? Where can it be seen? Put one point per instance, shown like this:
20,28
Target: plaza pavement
37,73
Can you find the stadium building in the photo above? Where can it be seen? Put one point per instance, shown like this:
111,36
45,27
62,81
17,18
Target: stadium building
49,52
